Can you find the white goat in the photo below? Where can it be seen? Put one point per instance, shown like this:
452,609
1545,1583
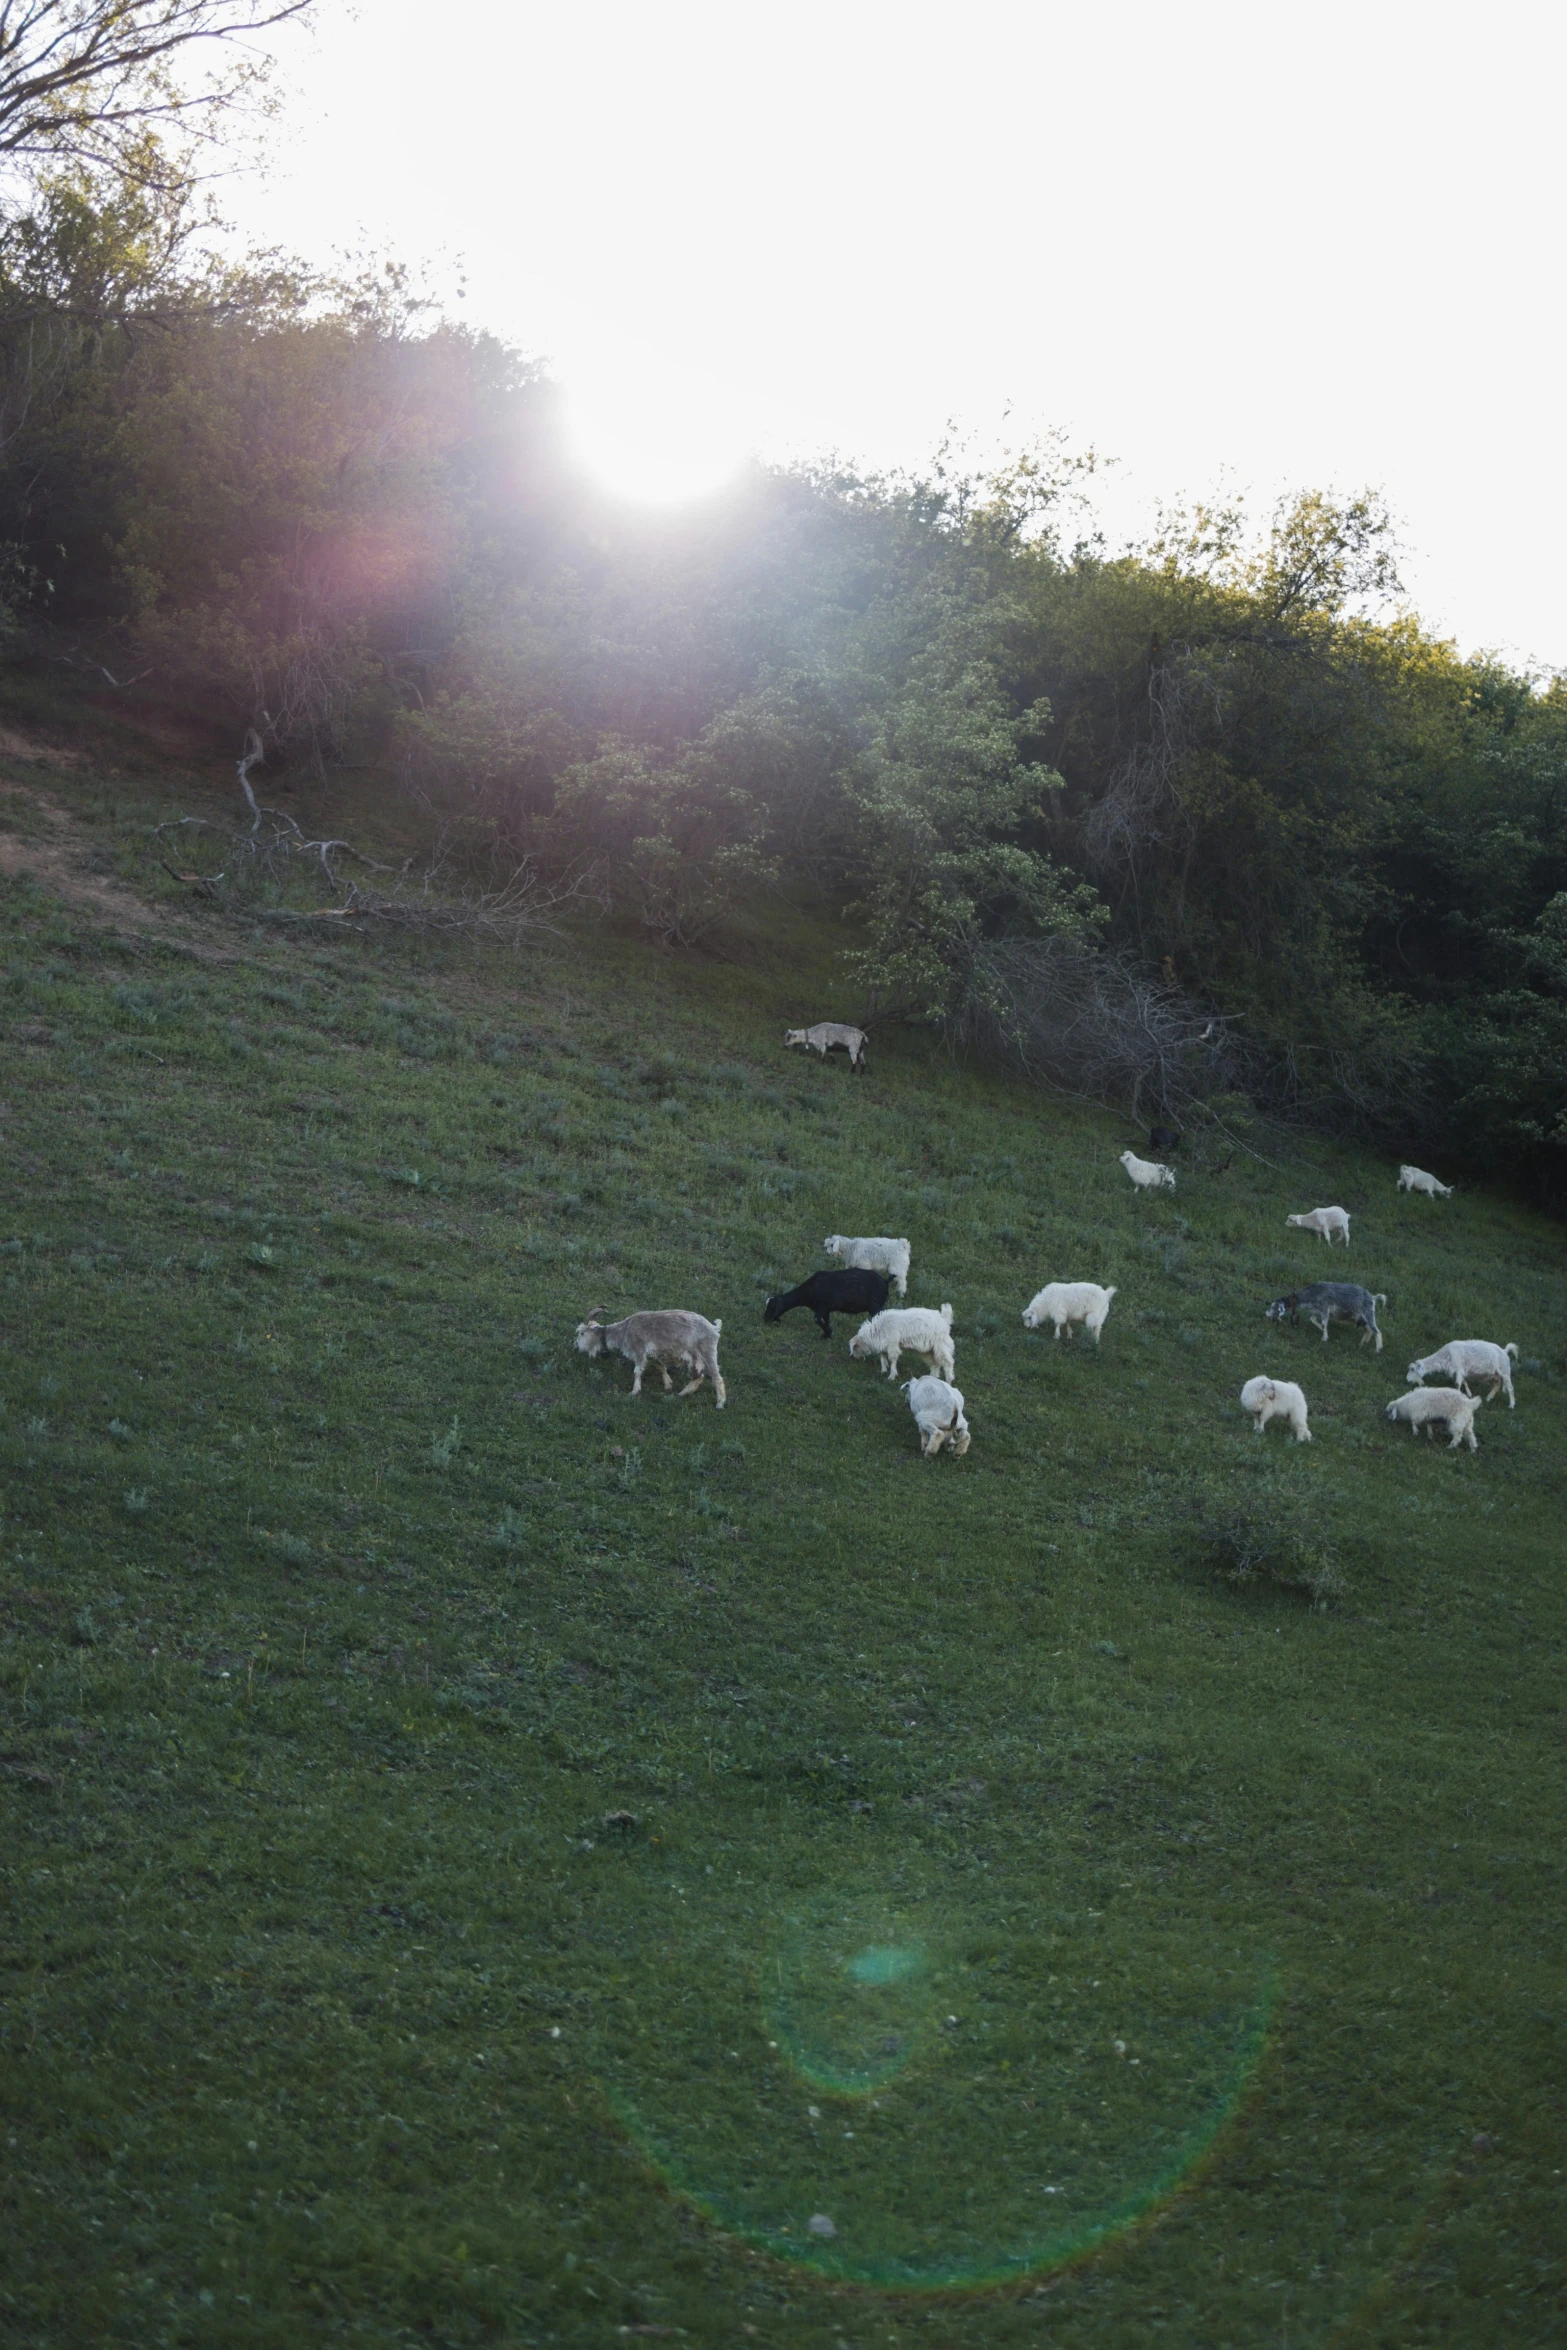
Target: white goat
1416,1179
1463,1359
1431,1407
658,1338
1327,1221
918,1329
938,1415
1276,1399
1148,1174
1063,1302
873,1256
831,1036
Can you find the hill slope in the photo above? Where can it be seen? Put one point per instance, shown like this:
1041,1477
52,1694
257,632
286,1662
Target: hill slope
491,1860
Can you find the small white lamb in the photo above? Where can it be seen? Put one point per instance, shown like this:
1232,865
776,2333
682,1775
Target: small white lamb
1064,1302
1416,1179
1432,1407
1148,1174
873,1256
1463,1359
1327,1221
938,1415
1276,1399
919,1329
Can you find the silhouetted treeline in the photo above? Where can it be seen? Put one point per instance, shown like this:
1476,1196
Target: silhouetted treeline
1325,858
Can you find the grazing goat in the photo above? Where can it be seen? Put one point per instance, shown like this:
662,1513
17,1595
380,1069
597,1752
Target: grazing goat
1276,1399
873,1256
938,1415
1162,1138
1431,1407
852,1292
918,1329
1323,1302
1327,1221
1416,1179
1463,1359
1062,1302
1147,1174
831,1036
658,1338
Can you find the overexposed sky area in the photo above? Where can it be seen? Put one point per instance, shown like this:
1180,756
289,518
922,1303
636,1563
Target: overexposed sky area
1265,246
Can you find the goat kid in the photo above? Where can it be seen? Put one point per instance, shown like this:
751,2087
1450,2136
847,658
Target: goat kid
1331,1223
1434,1407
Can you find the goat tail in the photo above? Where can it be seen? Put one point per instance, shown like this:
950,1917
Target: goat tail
718,1329
1379,1297
1510,1349
946,1316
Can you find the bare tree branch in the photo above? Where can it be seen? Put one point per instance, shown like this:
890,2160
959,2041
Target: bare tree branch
81,78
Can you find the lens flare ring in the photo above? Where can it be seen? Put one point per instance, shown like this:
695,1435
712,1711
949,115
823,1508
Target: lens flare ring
919,2105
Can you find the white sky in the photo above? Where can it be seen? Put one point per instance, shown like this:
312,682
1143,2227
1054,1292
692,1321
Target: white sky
1224,240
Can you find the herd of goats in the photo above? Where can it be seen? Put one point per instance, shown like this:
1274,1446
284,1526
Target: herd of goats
869,1270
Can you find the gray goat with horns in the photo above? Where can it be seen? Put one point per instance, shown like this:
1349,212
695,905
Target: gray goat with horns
659,1338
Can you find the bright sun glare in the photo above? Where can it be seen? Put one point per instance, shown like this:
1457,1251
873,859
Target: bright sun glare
661,444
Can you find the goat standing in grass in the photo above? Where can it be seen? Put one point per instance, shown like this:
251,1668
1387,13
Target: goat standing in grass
872,1256
658,1338
853,1291
938,1415
919,1330
1331,1223
1439,1407
1463,1359
1416,1179
1276,1399
1323,1302
831,1036
1065,1302
1147,1174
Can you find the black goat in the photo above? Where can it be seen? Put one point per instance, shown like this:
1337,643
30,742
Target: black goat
850,1292
1162,1138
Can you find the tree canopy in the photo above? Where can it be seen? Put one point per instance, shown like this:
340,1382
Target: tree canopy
1221,789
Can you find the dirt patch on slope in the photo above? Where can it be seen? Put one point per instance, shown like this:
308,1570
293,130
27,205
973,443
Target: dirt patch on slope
56,855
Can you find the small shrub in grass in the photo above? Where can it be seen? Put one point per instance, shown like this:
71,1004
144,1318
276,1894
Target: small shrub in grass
1268,1541
443,1449
136,1501
291,1547
510,1530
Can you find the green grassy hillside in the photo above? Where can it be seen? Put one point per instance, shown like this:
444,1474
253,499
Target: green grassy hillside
489,1861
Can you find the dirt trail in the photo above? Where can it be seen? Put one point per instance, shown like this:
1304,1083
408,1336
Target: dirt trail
60,856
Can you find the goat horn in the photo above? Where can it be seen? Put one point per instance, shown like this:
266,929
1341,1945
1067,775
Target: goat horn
597,1313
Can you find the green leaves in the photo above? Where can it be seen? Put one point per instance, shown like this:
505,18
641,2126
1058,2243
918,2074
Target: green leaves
938,797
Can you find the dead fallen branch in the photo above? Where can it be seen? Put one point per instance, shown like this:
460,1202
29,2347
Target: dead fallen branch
265,859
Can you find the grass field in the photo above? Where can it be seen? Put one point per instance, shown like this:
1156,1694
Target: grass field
490,1862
